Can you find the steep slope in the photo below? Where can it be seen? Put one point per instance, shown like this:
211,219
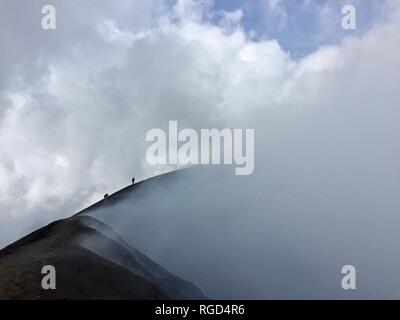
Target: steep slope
92,262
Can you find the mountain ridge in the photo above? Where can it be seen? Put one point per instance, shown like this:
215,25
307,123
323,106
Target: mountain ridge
92,261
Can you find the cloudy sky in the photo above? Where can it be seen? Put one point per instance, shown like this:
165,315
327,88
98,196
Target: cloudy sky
76,102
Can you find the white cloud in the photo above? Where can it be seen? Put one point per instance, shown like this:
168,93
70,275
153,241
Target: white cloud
75,111
277,12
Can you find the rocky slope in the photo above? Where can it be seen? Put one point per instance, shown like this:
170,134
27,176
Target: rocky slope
92,262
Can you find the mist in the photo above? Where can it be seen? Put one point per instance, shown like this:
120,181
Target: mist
323,195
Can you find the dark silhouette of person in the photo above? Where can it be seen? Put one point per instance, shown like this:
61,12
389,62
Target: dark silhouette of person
106,198
133,180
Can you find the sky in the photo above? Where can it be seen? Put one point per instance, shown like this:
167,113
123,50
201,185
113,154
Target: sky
302,26
76,102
